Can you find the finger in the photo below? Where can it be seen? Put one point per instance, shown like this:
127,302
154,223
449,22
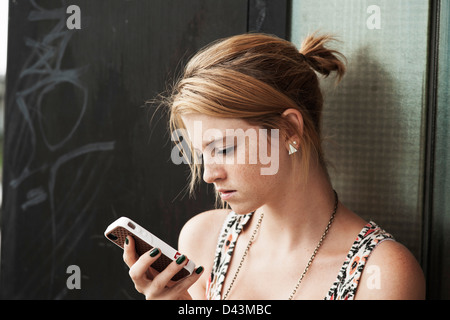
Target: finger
139,269
186,283
162,279
129,252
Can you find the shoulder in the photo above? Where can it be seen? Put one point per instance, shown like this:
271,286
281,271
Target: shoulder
199,235
391,272
204,224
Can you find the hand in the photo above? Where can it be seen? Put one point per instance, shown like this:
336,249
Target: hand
156,285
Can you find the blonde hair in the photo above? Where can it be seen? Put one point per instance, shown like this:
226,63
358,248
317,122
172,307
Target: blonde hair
256,77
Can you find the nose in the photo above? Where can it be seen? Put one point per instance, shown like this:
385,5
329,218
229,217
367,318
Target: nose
213,173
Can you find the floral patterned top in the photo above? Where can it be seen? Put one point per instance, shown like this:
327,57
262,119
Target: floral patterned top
346,283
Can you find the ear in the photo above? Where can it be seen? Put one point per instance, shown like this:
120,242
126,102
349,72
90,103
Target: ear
296,119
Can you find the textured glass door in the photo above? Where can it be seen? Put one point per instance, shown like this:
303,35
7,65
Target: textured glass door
374,120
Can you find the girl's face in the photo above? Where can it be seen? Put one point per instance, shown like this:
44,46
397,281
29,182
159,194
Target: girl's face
247,169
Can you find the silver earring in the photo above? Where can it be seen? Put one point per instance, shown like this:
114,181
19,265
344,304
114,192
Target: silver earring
292,149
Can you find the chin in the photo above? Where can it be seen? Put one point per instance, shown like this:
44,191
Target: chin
242,209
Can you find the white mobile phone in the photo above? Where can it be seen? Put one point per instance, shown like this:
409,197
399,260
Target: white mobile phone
145,241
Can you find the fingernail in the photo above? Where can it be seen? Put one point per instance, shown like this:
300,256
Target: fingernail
199,270
181,259
154,252
126,240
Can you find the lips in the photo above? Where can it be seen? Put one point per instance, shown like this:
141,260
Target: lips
226,194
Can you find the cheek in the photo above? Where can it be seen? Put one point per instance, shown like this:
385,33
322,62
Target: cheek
247,164
249,173
249,177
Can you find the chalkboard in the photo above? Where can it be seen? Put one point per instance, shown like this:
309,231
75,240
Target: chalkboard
80,149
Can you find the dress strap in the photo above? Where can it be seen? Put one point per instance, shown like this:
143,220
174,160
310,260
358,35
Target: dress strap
346,284
231,228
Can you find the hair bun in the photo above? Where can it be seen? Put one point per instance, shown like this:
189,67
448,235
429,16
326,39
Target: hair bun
321,59
302,56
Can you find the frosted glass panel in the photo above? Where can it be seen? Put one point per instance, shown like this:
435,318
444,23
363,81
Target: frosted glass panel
440,242
374,121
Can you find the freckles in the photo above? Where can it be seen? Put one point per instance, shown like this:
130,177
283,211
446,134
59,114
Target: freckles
250,175
241,170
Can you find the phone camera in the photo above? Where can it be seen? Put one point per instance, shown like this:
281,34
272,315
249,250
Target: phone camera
112,237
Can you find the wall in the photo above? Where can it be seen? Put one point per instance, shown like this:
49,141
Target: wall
386,124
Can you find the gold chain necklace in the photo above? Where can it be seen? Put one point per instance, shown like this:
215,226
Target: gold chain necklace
252,238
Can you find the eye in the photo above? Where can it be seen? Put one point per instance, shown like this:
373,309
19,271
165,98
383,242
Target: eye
226,151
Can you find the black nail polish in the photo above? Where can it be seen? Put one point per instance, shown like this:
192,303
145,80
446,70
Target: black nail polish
126,241
154,252
181,259
199,270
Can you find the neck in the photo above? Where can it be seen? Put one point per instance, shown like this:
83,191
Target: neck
301,216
